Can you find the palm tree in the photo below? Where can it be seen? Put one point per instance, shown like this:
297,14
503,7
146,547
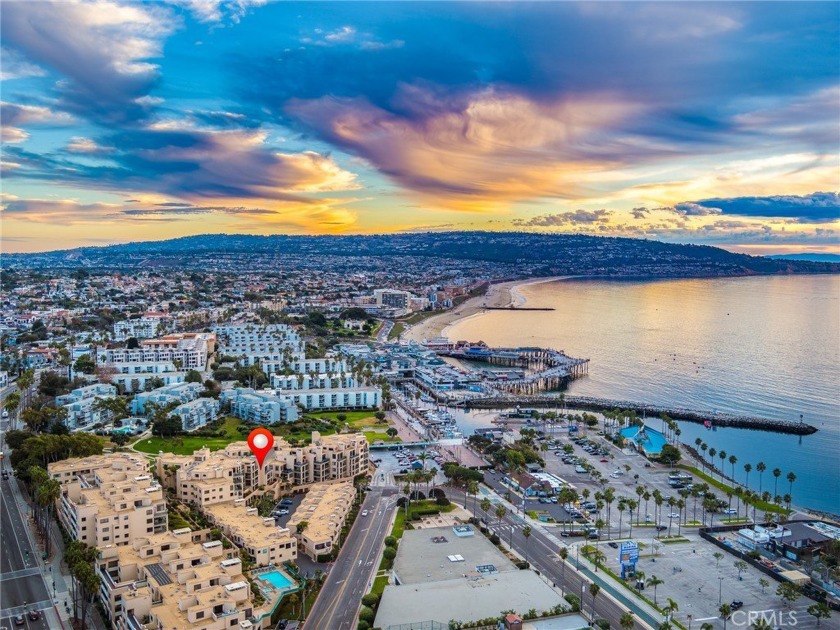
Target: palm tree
472,488
704,447
631,505
654,582
722,455
640,492
564,554
626,621
791,478
760,467
485,505
670,608
526,532
747,469
733,460
622,505
777,472
712,453
501,510
761,624
725,613
707,626
594,589
598,558
47,495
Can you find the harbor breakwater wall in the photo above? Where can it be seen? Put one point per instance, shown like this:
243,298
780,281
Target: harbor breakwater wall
718,419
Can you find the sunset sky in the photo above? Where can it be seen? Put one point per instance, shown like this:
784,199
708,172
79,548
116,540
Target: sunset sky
709,123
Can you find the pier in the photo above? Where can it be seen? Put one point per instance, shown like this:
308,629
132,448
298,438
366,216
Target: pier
549,369
718,419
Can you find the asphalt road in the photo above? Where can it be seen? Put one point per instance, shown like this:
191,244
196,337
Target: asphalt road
542,552
22,586
339,600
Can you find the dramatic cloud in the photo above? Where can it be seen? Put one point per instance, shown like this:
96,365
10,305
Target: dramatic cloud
101,48
566,218
690,209
13,65
194,164
819,206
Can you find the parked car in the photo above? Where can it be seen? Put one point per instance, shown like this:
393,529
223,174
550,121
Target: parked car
19,620
286,502
730,511
282,512
34,615
736,604
364,512
661,528
614,545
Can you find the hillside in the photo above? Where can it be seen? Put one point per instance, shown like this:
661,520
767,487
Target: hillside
507,253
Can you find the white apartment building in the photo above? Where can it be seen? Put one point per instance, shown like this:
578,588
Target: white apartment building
251,344
142,328
197,413
166,395
4,379
188,351
260,537
80,405
393,298
259,407
344,398
109,499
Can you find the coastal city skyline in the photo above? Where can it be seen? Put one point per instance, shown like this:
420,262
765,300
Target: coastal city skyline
712,123
419,315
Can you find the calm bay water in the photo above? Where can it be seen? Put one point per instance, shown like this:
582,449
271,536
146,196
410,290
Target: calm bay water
764,346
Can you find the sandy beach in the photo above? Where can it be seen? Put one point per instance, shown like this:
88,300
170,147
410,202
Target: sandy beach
498,295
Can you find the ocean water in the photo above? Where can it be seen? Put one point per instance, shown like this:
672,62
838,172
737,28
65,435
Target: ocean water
766,346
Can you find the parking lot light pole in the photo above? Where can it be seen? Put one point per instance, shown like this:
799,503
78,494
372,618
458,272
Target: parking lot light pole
720,589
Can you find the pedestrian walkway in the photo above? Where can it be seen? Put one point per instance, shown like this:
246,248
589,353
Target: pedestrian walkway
642,609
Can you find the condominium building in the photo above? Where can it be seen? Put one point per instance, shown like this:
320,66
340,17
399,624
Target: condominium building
142,328
166,395
212,477
324,509
80,405
197,413
175,580
326,458
205,478
259,407
109,499
189,350
392,298
260,537
251,344
344,398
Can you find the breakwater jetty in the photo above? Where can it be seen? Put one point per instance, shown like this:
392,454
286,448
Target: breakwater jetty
518,308
717,419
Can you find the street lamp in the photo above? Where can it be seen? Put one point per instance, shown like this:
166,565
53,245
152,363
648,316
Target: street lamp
582,591
720,589
689,621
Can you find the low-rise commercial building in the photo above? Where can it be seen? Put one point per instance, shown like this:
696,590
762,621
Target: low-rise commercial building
323,510
265,542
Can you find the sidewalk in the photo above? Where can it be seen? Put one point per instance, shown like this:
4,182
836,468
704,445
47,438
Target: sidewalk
642,609
55,573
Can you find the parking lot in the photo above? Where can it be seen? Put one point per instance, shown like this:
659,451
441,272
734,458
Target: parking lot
699,582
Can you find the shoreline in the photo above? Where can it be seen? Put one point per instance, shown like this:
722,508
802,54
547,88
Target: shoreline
497,295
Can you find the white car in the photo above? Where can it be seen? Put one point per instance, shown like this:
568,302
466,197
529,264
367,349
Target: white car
730,511
673,515
364,512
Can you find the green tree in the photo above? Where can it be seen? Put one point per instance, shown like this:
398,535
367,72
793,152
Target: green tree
789,593
670,455
654,582
526,532
819,611
725,611
627,622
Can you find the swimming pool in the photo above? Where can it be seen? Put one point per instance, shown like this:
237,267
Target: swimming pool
277,579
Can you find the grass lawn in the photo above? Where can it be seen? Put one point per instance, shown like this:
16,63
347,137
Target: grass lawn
764,506
399,525
356,419
379,584
396,331
373,436
673,540
188,444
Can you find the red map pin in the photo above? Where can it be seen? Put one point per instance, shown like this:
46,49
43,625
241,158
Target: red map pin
260,441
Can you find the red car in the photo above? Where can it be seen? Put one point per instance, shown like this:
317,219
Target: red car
605,460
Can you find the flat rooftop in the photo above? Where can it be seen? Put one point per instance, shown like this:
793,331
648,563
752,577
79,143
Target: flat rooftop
420,559
465,599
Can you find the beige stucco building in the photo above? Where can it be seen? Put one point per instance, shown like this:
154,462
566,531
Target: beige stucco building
260,537
324,509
